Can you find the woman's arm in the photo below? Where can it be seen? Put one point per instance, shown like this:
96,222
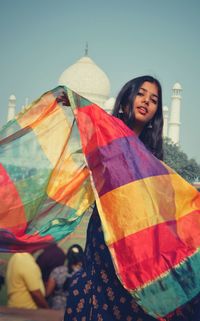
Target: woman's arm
50,286
39,299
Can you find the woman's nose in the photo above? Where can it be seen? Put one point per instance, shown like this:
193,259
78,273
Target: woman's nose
146,99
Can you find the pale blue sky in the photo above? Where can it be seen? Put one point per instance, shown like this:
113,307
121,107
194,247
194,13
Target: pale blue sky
40,38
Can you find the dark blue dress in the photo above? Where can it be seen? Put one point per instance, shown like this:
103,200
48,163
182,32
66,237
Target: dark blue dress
95,293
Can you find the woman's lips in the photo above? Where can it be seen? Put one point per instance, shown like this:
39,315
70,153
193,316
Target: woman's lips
142,110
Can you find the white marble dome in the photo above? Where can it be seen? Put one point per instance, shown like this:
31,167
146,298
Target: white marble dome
88,80
109,104
177,86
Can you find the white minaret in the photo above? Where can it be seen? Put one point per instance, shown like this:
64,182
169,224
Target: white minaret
11,107
174,123
109,104
165,120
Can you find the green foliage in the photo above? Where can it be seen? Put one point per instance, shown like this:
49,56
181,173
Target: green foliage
178,160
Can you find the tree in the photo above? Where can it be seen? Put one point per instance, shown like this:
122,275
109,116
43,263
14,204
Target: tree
178,160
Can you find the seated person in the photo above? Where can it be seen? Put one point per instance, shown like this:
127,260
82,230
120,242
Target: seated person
58,282
25,287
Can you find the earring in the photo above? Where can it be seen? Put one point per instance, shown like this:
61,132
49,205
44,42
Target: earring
121,113
120,110
150,125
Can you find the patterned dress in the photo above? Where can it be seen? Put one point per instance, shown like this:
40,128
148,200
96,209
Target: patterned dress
57,299
96,293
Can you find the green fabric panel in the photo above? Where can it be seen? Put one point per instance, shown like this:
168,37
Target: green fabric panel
173,290
8,129
55,219
30,177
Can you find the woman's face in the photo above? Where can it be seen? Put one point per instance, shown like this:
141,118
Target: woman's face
145,105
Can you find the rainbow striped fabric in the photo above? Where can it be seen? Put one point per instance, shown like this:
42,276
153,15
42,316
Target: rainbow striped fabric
45,185
52,169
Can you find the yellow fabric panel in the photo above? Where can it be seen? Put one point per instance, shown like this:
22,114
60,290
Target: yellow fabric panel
147,202
66,181
37,111
53,140
86,195
187,198
70,179
51,128
144,205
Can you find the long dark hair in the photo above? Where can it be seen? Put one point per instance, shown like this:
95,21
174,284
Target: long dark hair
151,137
74,256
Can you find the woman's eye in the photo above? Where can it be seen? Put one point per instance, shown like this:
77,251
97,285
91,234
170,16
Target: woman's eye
140,94
154,101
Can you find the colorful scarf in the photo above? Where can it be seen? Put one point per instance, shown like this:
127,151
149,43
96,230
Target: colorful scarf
61,154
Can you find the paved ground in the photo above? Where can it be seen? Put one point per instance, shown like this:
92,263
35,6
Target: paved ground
11,314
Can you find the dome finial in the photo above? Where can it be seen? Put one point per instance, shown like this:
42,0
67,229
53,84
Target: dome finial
86,49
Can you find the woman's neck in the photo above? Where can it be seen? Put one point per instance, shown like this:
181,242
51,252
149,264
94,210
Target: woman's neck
137,128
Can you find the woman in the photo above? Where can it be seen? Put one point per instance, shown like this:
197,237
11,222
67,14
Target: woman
139,105
97,293
59,279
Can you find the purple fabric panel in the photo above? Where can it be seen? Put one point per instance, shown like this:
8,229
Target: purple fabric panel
122,161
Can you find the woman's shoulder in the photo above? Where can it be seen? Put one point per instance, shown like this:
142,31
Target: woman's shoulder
62,269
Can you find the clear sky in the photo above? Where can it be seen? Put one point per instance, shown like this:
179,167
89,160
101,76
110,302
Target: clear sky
39,39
